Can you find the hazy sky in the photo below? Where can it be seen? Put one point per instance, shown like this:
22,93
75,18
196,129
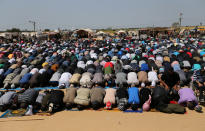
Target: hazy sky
99,13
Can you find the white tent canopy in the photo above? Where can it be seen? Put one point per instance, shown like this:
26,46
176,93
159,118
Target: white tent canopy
121,31
100,33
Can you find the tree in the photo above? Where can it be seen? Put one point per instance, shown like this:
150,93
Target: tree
13,30
47,30
175,24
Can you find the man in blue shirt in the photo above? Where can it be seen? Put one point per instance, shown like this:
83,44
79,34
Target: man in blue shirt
133,100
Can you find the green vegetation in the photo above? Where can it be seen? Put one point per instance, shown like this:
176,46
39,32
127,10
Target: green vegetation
13,30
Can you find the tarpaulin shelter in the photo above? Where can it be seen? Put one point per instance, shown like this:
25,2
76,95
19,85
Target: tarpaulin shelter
83,33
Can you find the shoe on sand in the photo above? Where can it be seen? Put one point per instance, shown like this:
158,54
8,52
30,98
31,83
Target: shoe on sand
50,109
198,109
29,111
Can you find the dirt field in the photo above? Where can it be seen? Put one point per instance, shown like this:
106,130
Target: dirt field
106,121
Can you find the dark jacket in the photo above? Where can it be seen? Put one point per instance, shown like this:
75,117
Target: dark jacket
29,96
56,97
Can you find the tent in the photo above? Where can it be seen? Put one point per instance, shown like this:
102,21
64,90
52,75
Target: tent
121,32
133,33
100,33
83,33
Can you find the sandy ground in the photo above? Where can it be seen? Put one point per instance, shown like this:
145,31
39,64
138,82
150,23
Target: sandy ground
106,121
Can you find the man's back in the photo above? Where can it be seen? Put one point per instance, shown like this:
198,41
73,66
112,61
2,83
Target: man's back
186,94
97,94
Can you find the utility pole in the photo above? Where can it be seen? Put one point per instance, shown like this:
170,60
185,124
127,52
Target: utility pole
153,31
180,19
34,25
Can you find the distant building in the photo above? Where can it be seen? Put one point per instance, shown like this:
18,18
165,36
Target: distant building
29,34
